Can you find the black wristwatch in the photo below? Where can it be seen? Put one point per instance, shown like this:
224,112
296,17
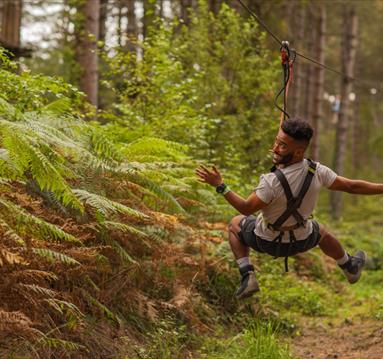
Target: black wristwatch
222,188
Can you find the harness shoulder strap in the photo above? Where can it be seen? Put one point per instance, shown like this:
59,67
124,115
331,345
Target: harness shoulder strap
285,185
293,203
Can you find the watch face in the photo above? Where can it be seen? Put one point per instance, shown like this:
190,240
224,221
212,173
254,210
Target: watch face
220,188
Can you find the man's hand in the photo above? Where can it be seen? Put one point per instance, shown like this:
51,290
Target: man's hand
245,206
212,176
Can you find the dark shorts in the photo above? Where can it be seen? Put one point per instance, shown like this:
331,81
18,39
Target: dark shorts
250,239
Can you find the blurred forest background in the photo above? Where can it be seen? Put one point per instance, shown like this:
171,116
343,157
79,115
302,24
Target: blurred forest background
108,105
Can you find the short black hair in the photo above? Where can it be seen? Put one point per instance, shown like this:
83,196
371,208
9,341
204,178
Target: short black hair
298,129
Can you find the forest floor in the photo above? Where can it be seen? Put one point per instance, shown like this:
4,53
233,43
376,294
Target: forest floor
356,339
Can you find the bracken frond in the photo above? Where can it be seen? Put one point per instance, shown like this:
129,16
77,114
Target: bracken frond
55,343
61,305
122,227
9,233
34,275
26,153
53,256
106,206
57,107
17,323
40,228
10,258
107,312
123,254
156,189
28,289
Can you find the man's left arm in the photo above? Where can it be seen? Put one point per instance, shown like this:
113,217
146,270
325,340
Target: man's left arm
244,206
356,186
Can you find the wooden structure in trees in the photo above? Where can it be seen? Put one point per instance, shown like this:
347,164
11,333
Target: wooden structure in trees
10,18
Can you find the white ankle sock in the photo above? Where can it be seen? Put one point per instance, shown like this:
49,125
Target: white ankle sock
342,260
243,262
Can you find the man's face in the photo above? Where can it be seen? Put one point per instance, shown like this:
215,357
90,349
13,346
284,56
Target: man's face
286,149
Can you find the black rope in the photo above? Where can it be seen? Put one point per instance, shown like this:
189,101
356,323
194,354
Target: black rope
290,57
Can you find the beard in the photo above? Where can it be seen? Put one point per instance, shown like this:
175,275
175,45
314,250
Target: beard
279,159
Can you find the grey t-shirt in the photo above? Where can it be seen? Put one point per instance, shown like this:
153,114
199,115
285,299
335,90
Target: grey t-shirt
270,191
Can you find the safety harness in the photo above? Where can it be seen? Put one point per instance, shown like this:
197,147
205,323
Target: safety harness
293,204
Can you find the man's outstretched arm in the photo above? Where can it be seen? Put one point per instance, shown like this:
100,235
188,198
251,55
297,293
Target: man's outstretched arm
244,206
356,186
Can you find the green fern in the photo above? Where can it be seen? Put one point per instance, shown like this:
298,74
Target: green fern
22,220
105,206
54,257
57,107
27,156
54,343
154,188
61,305
108,313
125,228
123,254
9,111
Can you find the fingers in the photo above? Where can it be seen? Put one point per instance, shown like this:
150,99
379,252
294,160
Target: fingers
206,175
205,169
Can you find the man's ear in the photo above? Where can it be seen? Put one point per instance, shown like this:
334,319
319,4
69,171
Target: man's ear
300,151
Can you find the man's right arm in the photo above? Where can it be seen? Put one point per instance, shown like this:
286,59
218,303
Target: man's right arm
356,186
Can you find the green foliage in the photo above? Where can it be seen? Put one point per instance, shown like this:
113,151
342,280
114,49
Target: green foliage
259,341
168,341
198,86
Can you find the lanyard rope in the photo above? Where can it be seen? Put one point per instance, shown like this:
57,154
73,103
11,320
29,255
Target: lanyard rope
288,57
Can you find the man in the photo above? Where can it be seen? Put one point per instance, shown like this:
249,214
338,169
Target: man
286,198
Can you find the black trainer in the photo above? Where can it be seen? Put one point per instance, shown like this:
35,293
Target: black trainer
249,284
353,267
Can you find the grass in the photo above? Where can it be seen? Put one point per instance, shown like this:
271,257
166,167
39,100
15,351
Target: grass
259,340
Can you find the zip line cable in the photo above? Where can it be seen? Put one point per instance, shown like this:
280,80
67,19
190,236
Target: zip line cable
296,52
261,22
326,67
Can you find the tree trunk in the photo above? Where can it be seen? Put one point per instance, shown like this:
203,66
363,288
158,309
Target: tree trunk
318,80
149,15
348,61
298,68
11,24
356,147
186,6
103,17
307,104
119,23
86,48
214,6
131,28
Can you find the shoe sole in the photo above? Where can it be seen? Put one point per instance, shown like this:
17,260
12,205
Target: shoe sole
352,279
248,293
